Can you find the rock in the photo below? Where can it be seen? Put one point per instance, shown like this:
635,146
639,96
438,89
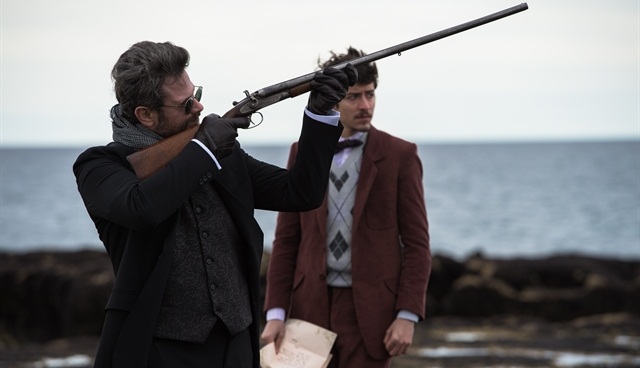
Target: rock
475,296
53,295
557,288
46,295
566,271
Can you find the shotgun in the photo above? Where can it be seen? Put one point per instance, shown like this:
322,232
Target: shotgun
153,158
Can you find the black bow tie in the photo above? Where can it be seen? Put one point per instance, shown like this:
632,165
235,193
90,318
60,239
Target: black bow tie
348,143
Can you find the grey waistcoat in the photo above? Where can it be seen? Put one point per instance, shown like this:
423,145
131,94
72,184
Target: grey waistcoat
343,182
207,279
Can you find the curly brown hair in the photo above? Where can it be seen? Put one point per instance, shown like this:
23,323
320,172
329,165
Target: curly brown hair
367,73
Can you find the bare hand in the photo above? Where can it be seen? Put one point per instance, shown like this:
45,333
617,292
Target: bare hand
274,332
399,336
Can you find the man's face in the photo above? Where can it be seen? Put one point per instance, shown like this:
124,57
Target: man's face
171,117
356,109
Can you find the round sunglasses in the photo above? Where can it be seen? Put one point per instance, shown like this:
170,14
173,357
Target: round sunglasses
188,105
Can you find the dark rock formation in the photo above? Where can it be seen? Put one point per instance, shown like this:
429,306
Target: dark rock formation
556,288
47,295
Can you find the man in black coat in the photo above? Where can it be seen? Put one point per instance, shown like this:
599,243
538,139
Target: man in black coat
184,244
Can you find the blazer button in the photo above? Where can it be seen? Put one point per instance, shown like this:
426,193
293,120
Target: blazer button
322,277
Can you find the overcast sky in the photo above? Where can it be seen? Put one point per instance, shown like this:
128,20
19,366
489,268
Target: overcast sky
561,70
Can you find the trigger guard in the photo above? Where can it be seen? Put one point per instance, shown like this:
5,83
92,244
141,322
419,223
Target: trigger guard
253,123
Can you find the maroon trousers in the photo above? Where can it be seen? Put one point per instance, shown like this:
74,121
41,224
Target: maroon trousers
348,350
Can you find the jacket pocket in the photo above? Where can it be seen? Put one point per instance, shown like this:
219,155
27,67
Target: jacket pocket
392,285
297,279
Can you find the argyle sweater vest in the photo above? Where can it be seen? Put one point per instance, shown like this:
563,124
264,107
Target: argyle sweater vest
206,283
343,181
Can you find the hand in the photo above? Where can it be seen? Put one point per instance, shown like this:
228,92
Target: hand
219,134
274,332
329,87
399,336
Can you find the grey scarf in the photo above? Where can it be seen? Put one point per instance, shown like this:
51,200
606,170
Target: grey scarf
133,135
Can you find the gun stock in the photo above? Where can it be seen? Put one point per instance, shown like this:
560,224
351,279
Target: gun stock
153,158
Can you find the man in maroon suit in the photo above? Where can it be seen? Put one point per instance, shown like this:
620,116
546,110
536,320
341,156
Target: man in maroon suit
359,265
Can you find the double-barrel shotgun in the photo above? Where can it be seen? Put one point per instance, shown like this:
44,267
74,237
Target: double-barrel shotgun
153,158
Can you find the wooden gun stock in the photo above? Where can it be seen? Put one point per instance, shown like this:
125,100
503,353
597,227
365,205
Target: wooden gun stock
153,158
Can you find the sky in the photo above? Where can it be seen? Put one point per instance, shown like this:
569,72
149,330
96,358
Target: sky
561,70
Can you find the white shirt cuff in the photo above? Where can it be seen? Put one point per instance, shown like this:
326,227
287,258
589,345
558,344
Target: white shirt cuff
209,152
332,119
276,313
405,314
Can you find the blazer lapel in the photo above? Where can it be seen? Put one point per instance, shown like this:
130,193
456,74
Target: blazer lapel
374,151
320,216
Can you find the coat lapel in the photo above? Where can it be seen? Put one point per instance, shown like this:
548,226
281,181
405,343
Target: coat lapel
320,216
374,151
238,198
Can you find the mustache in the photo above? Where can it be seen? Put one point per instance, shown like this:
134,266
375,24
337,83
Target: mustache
363,115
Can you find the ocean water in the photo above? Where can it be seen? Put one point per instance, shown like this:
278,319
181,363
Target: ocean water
502,200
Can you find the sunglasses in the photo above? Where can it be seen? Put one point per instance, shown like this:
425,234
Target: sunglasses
188,105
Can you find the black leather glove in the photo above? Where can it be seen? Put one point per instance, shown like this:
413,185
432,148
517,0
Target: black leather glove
219,134
329,87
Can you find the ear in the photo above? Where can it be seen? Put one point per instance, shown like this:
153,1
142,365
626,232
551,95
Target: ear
145,116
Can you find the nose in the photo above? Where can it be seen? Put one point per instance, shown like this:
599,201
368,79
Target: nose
197,107
364,103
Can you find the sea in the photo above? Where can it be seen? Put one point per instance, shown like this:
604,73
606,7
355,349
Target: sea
501,200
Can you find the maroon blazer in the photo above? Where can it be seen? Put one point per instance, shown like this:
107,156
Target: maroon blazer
391,258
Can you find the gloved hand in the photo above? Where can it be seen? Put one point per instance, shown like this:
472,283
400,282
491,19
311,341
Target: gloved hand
329,87
219,134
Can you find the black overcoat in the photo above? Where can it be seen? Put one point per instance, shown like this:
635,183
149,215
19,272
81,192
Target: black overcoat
136,223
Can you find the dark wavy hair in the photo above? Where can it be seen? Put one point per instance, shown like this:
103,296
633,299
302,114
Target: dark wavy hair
141,71
367,73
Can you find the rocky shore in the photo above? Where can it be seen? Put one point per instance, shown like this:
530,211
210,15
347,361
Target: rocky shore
560,311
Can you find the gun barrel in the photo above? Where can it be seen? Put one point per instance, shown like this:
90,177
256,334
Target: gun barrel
147,161
397,49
